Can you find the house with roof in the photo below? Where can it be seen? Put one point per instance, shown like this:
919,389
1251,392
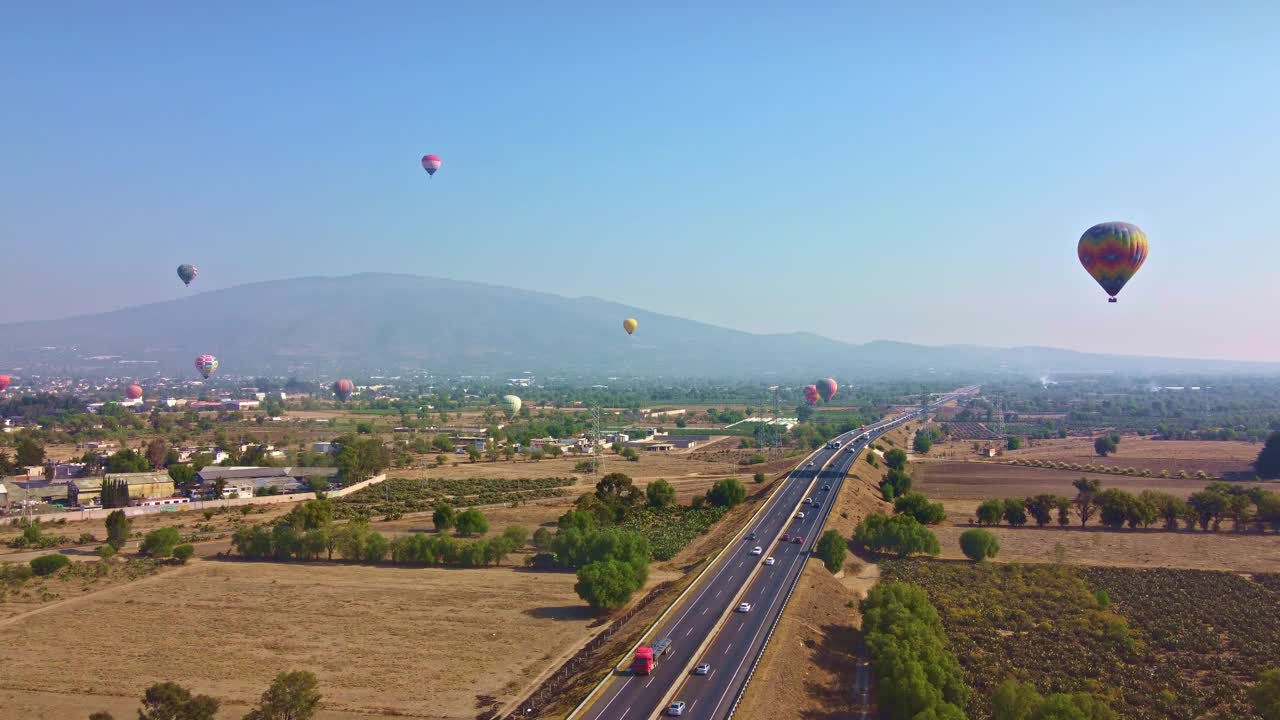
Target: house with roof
85,492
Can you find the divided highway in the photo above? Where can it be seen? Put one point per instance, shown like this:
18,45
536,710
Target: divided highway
737,644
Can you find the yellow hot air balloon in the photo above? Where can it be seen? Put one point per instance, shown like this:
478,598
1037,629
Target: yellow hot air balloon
630,325
511,405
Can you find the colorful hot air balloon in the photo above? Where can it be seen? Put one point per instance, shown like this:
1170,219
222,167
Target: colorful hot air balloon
827,389
1112,252
431,163
630,325
511,405
4,382
343,389
206,364
133,392
811,394
187,273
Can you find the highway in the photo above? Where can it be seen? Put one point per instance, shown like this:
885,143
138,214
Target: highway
737,644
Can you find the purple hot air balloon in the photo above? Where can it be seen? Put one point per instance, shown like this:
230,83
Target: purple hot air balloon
431,163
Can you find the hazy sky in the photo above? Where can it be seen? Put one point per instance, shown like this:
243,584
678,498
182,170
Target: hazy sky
767,168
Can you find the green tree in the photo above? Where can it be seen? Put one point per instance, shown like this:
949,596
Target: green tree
157,451
978,545
471,522
896,459
1208,508
1104,446
118,527
542,539
1013,443
311,515
361,458
1086,489
900,534
442,443
171,701
127,461
160,542
49,564
1015,700
990,512
922,443
660,494
727,493
804,413
183,476
1015,511
758,478
918,677
28,452
918,506
292,696
1041,508
442,517
831,549
114,493
1265,695
1267,465
606,584
183,553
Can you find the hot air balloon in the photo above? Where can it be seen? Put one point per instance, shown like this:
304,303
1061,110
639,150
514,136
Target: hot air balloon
206,364
827,389
133,392
811,394
431,163
1112,252
343,389
630,325
511,405
4,382
187,273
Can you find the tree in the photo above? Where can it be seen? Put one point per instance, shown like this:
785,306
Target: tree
114,493
473,454
157,450
1208,507
727,492
101,715
28,452
990,512
607,584
542,539
1268,463
183,476
49,564
918,506
1114,507
1041,508
442,518
311,515
918,677
1086,489
1104,446
1015,700
171,701
804,413
896,459
1165,506
897,482
922,443
361,458
160,543
1015,512
118,526
660,494
831,549
471,522
900,534
1265,696
618,493
127,461
292,696
978,545
183,553
442,443
1013,443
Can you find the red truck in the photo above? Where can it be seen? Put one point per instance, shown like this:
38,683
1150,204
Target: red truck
647,656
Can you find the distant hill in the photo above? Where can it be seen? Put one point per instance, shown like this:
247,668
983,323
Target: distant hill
387,323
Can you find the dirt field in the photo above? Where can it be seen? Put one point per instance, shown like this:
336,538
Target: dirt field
378,638
1214,458
949,480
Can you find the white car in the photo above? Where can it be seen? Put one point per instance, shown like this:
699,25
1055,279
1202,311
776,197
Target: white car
677,708
810,464
744,607
702,669
757,550
769,561
799,516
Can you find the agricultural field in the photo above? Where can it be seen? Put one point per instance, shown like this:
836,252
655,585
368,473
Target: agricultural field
1175,644
385,642
21,593
397,496
1213,457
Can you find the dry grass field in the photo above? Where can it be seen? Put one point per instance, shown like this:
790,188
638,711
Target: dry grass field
385,642
1140,453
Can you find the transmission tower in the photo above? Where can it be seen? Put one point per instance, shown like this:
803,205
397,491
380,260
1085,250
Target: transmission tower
998,417
597,435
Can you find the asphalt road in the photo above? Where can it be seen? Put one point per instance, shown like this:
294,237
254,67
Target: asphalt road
739,642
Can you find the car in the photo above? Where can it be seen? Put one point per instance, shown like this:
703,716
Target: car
676,708
769,560
786,537
810,464
808,501
826,487
799,539
799,516
757,550
702,669
744,607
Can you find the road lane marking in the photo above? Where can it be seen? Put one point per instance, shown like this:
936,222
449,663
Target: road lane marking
651,679
686,634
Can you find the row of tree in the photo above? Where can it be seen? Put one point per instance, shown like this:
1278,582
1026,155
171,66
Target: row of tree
917,676
292,696
1116,508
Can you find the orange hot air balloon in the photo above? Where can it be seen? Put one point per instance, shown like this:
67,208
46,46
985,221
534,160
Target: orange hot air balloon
4,382
1112,253
630,325
133,392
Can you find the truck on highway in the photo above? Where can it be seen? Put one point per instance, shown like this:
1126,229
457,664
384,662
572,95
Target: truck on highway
646,658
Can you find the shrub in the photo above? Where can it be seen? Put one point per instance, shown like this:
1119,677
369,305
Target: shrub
471,522
918,506
727,492
758,477
160,543
990,512
978,545
900,534
756,459
86,538
106,552
831,548
183,553
49,564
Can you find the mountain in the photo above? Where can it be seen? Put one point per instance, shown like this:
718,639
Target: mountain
389,323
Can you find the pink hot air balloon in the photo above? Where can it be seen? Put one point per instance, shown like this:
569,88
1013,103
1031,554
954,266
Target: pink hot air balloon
206,365
811,394
431,163
133,392
343,389
4,382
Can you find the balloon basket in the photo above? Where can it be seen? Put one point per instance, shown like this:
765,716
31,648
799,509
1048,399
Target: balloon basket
1111,300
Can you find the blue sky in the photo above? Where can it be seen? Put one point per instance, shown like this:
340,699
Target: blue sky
765,168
